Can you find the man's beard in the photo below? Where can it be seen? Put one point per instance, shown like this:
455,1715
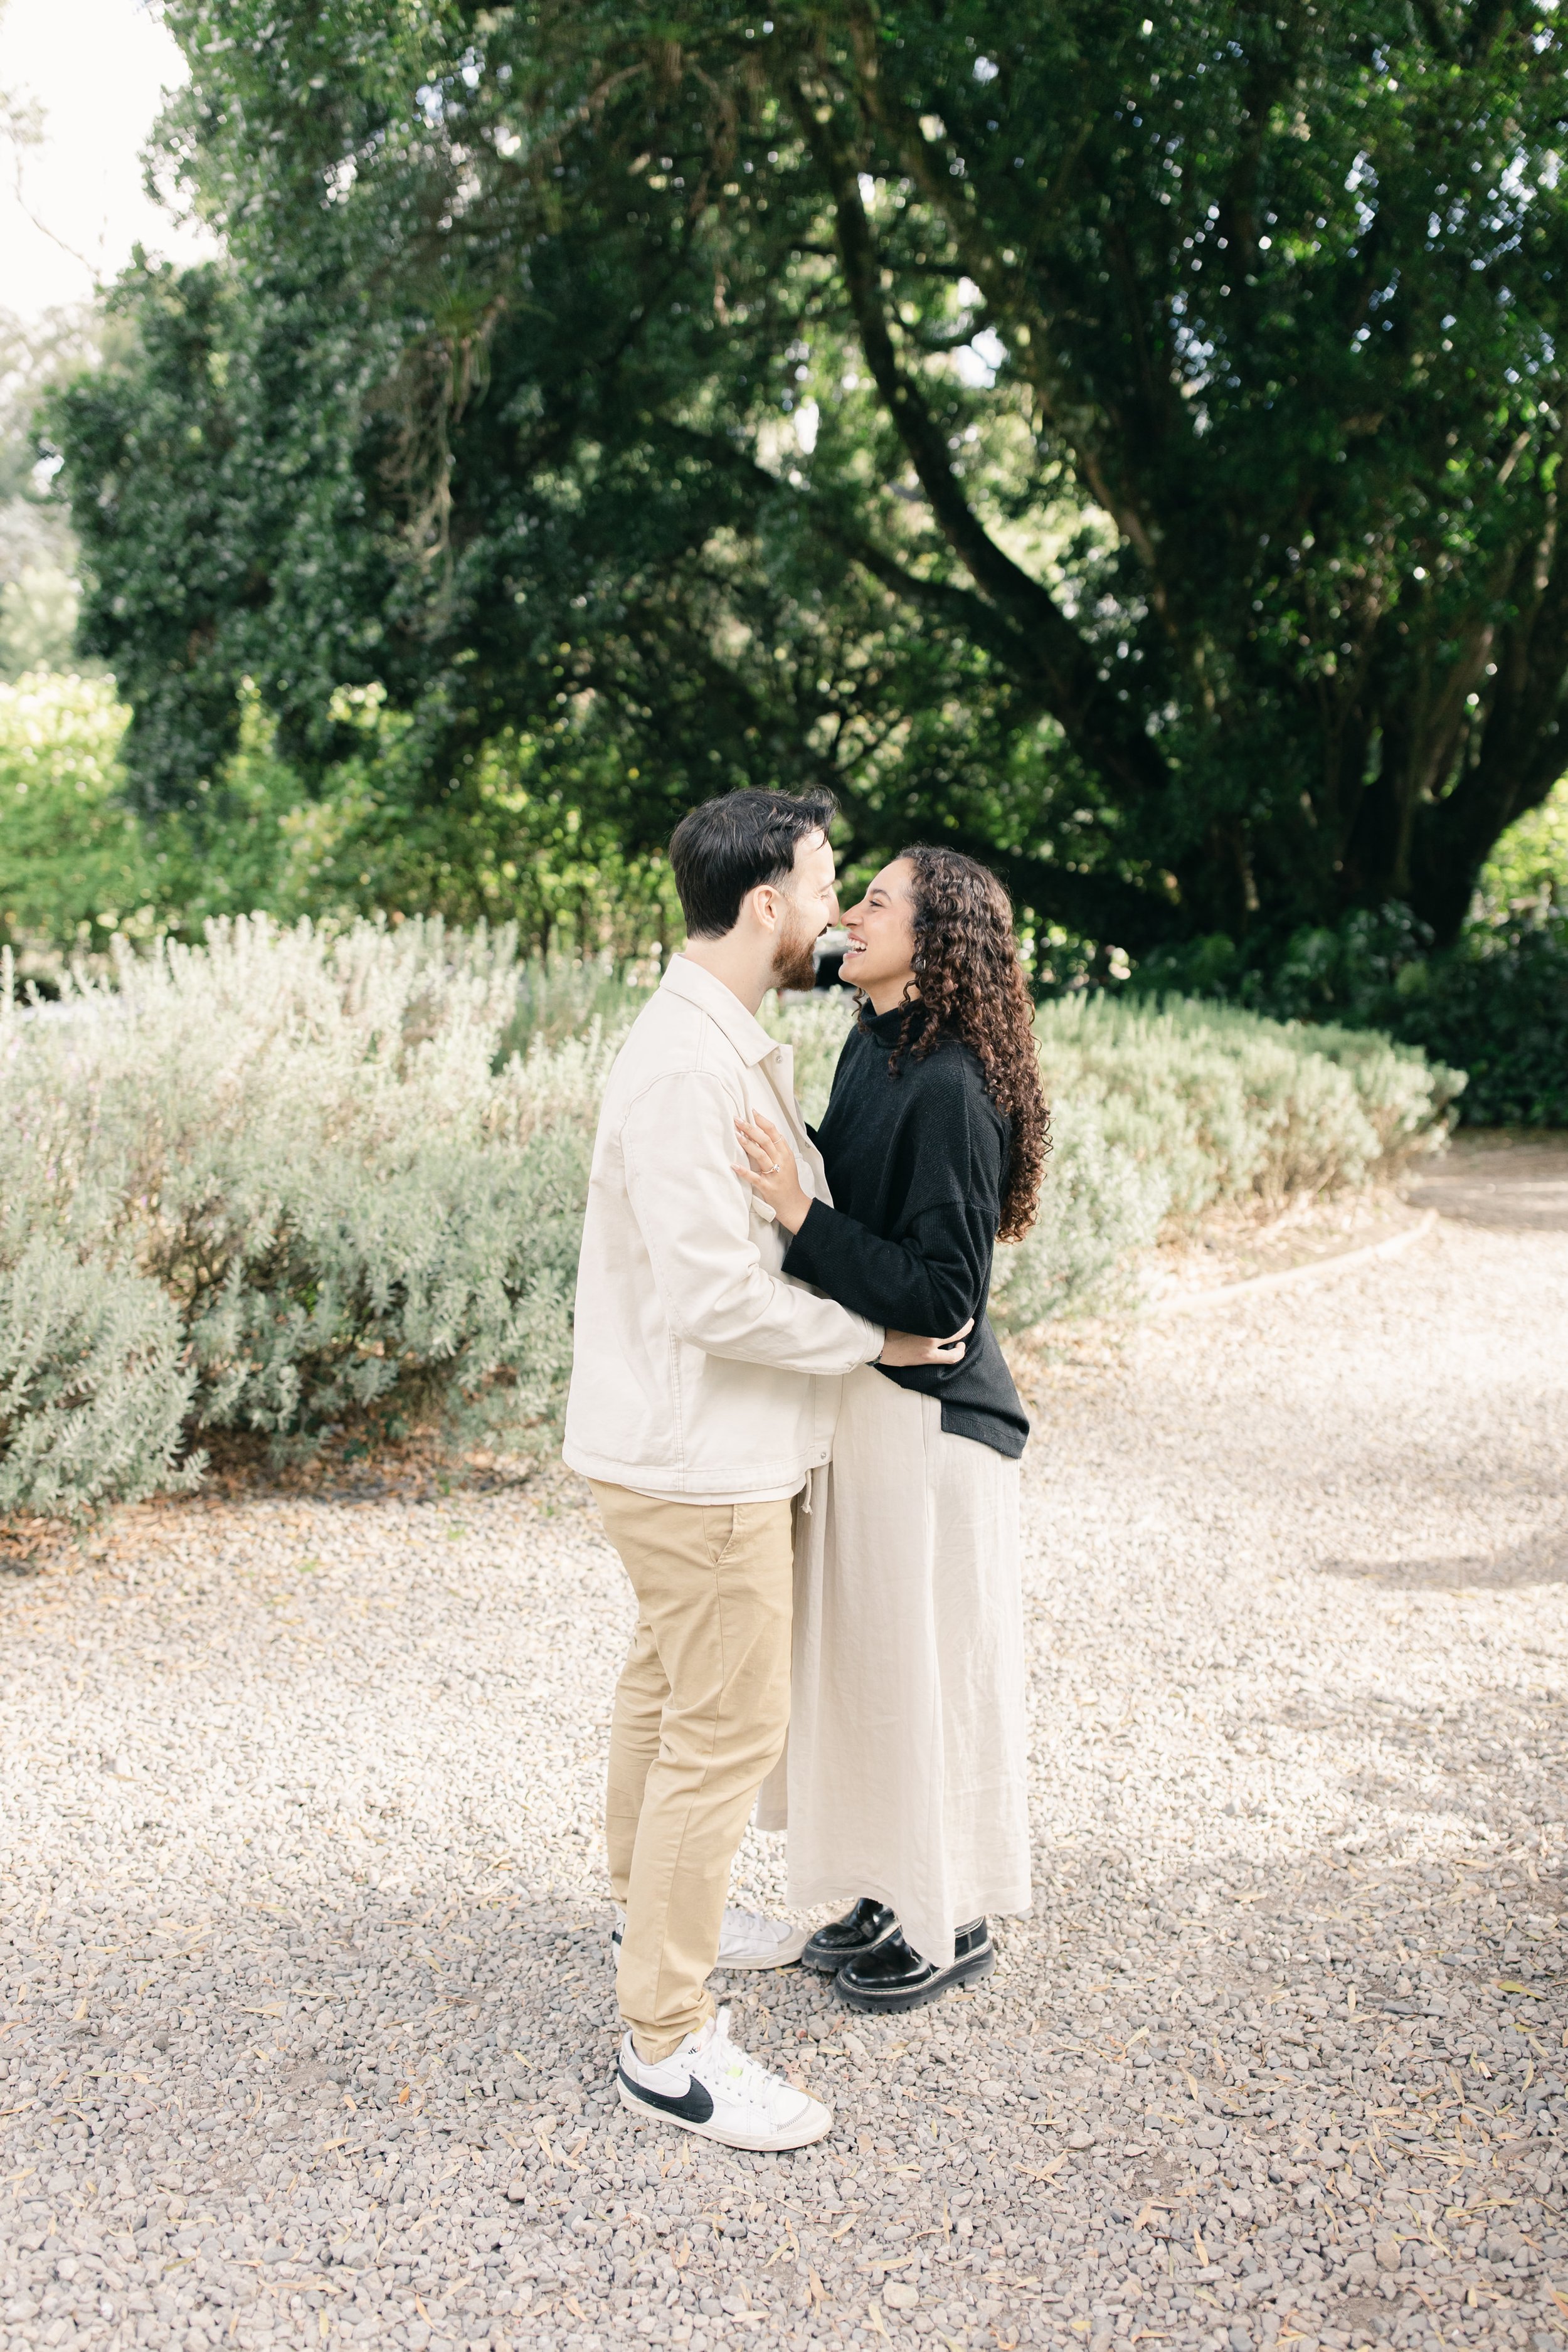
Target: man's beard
793,963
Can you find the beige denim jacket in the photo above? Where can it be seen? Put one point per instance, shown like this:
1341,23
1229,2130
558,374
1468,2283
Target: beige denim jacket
699,1369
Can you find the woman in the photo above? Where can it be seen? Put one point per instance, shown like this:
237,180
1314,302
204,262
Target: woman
906,1763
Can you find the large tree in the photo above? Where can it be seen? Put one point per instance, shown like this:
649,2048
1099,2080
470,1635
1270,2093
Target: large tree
1127,443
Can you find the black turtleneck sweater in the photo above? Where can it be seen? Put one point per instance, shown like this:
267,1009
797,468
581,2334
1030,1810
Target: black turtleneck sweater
915,1158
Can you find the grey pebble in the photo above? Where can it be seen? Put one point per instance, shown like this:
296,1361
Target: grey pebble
309,2025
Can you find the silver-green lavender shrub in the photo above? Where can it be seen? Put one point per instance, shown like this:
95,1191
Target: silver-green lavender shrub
1230,1108
313,1152
290,1177
1100,1212
94,1391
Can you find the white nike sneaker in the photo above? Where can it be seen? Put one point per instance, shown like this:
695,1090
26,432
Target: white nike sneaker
709,2087
746,1940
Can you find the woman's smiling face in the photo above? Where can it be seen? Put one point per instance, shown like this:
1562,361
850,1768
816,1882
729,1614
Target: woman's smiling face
879,956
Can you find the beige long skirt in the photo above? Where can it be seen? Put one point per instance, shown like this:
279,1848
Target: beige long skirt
906,1773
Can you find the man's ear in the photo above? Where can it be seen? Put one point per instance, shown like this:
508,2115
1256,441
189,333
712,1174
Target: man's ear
764,901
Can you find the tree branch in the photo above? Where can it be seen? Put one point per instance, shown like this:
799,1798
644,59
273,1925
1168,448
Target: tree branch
1006,292
1103,906
968,615
1060,665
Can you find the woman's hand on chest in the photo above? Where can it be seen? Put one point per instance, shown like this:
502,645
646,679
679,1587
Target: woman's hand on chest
771,1172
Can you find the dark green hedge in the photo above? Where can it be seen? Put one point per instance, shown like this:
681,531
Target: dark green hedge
1497,1005
1494,1006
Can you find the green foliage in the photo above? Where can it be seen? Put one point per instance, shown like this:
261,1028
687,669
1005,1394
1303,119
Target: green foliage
1499,1001
93,1388
79,867
1529,865
1126,445
73,859
505,841
37,549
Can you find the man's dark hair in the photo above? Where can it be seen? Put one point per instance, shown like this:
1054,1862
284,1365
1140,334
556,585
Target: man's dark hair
728,846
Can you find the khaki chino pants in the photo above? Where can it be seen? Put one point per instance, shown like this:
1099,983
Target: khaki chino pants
700,1715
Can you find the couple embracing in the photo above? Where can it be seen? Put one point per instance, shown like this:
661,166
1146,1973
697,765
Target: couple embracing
804,1442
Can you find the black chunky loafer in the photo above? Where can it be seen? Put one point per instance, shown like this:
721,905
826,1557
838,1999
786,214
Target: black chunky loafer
891,1977
850,1939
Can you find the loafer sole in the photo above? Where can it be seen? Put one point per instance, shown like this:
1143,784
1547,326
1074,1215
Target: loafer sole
968,1971
811,2128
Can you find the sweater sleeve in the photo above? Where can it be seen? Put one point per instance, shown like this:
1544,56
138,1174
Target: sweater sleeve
930,1281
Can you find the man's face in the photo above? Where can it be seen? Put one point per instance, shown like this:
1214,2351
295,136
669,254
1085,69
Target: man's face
811,903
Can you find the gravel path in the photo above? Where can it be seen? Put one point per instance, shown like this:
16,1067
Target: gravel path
307,2020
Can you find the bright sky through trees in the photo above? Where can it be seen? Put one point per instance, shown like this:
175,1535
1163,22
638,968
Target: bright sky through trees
96,70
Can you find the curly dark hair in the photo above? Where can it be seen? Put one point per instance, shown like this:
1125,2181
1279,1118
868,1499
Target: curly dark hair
972,987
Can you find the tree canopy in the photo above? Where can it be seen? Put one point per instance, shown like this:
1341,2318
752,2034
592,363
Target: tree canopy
1124,444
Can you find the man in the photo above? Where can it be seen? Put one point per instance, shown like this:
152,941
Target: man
704,1387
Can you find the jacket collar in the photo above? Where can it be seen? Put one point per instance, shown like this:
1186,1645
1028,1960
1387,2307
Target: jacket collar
750,1039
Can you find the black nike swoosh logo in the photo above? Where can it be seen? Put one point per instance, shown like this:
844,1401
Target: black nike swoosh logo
695,2105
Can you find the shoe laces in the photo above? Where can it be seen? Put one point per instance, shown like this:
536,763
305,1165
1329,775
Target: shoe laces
743,2075
751,1922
